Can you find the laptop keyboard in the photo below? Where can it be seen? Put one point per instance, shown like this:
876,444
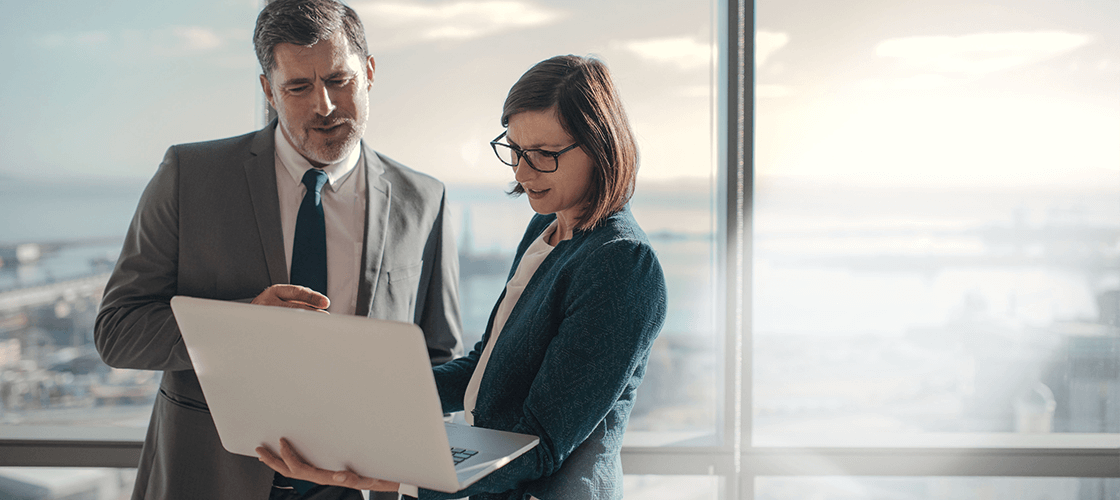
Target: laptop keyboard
460,454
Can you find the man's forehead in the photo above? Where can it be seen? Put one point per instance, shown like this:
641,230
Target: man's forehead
328,56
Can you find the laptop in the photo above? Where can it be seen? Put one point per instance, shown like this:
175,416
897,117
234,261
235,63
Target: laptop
348,392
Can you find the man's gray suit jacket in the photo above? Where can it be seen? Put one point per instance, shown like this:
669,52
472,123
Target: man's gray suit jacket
208,225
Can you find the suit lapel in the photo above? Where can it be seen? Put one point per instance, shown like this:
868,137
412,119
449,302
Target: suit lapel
260,171
378,197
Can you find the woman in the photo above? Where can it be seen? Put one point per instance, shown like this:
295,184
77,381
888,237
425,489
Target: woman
569,339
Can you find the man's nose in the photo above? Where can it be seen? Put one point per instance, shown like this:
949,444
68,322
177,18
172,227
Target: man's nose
324,106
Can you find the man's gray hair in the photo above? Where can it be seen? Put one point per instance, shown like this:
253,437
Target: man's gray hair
305,23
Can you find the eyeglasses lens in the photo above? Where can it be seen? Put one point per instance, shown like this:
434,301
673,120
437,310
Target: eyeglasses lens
506,154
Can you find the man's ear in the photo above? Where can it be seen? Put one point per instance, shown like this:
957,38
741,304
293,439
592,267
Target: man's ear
371,67
267,87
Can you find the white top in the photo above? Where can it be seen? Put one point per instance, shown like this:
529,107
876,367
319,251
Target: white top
530,261
344,212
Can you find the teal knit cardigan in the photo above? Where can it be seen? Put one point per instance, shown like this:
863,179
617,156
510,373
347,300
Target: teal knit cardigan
567,364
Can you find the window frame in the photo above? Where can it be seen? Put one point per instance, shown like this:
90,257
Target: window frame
735,460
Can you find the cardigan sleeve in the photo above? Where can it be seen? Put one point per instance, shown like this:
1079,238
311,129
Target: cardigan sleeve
613,305
452,378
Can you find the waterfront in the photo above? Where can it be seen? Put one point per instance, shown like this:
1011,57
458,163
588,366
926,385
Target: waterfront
864,322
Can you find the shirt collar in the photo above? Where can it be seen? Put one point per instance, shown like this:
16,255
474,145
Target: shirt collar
296,165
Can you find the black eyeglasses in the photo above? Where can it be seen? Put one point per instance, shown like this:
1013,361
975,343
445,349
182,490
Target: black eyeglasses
538,159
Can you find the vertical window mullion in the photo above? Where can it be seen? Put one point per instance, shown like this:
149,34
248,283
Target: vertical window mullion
736,77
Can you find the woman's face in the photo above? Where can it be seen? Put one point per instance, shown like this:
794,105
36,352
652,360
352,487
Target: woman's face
563,192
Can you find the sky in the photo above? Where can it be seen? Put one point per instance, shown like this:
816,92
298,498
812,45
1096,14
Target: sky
943,92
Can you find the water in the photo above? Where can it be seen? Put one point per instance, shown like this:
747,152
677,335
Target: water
811,274
47,212
872,312
486,221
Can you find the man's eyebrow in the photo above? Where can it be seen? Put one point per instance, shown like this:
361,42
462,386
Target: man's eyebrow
296,81
331,76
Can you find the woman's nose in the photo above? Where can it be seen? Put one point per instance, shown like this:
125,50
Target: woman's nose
522,172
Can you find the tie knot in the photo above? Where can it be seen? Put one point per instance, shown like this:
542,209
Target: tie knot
314,179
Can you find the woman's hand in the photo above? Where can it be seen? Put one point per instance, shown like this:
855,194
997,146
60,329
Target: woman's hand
291,464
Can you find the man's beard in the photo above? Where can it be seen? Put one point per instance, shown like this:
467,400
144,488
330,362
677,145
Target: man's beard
329,150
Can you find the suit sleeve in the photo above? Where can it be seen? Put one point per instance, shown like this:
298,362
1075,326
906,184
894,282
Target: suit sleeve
135,327
614,309
440,317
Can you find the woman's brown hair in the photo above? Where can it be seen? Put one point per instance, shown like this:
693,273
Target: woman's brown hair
581,91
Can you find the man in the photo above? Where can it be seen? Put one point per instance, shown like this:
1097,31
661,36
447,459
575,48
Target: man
230,219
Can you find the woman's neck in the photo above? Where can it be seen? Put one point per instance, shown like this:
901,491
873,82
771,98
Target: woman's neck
563,231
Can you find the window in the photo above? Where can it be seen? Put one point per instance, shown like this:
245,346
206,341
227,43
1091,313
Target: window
439,117
103,91
936,220
891,236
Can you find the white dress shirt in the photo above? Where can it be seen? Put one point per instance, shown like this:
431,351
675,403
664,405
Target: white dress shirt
344,212
530,261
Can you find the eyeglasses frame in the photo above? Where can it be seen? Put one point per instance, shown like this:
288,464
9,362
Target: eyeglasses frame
521,154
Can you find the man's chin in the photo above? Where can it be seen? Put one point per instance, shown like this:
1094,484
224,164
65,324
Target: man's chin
327,154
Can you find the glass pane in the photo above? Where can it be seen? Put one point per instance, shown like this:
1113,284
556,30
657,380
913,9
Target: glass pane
106,88
937,219
671,487
440,116
155,75
936,488
43,483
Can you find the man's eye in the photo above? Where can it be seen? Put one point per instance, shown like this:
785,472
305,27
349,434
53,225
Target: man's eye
297,90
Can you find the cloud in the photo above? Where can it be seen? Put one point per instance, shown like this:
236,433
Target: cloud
768,91
196,38
704,91
766,43
687,53
979,53
394,24
683,52
925,81
75,40
172,40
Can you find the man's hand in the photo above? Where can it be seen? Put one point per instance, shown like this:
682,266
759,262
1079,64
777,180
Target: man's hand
294,296
291,464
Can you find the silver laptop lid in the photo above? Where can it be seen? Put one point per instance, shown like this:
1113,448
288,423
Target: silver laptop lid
349,392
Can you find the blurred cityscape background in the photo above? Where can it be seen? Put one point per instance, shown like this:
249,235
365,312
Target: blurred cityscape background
934,225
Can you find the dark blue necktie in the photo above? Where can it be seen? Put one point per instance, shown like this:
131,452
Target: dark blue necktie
309,251
309,255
